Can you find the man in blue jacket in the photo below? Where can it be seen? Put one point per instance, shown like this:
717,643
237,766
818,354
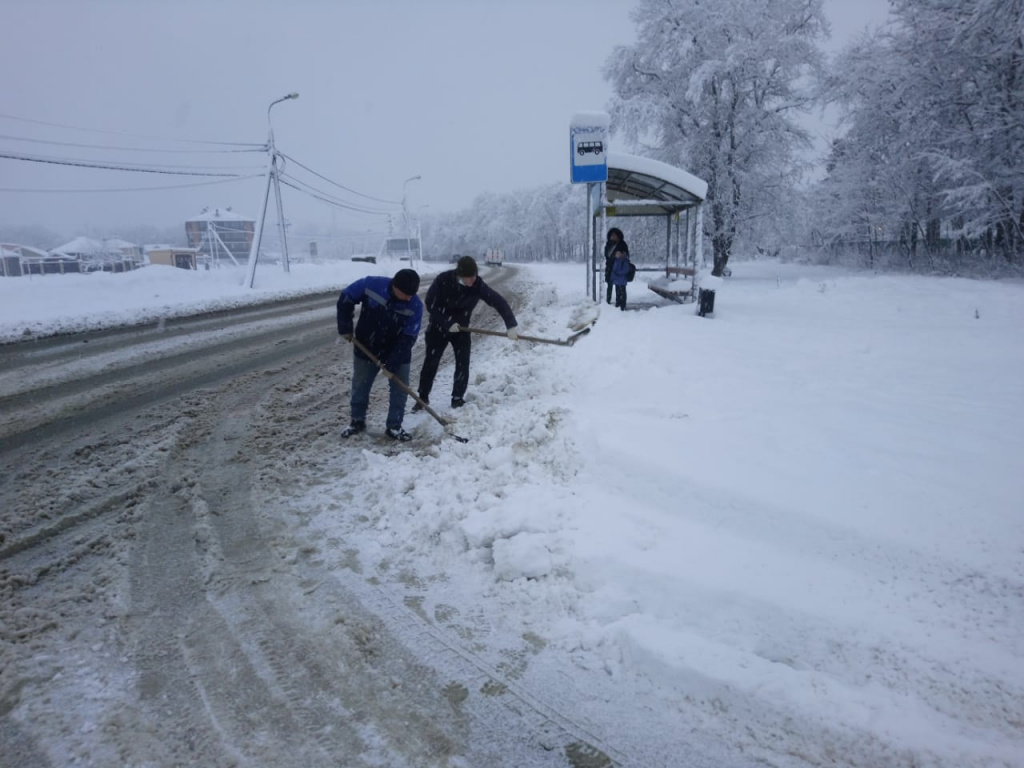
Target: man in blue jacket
450,301
389,323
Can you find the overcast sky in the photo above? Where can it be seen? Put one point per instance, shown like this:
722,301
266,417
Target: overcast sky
472,95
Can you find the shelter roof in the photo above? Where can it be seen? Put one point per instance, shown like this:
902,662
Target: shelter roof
667,188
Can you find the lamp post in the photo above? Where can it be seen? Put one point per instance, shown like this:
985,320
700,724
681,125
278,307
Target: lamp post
271,176
405,208
419,232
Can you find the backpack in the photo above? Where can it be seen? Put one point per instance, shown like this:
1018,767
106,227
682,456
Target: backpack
632,272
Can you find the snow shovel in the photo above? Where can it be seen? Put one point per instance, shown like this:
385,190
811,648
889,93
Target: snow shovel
561,342
408,390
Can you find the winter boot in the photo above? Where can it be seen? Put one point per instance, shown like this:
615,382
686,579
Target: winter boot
458,402
397,433
419,405
354,429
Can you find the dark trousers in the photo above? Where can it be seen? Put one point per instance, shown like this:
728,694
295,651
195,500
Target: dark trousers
620,296
437,339
608,295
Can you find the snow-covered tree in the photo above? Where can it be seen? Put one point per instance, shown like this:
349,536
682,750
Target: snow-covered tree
715,86
934,116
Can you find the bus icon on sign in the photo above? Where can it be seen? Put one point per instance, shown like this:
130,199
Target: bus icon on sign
584,147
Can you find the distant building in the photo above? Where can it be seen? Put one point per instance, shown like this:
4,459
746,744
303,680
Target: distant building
26,260
110,255
166,255
128,250
10,260
220,235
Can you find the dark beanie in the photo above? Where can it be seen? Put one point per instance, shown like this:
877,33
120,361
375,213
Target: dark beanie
466,267
407,281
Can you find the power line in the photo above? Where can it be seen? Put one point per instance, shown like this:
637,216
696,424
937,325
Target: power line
131,149
329,201
135,189
114,167
327,197
342,186
340,202
322,236
128,135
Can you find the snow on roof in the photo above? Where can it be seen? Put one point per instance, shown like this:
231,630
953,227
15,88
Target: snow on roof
590,120
647,166
13,249
81,245
116,242
220,214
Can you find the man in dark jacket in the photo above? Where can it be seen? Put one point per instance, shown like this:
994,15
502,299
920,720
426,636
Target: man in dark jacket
389,323
450,302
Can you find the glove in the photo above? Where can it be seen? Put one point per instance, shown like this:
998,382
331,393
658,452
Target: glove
513,333
455,328
347,337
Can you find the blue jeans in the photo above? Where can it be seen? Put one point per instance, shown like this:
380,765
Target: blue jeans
363,374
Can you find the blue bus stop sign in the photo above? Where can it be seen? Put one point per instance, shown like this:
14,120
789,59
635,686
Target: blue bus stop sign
588,147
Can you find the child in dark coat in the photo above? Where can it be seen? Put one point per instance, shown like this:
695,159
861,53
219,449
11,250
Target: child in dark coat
620,275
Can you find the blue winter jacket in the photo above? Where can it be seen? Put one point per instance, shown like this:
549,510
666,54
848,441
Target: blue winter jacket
620,270
387,327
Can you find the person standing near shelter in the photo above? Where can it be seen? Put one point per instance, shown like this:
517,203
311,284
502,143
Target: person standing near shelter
619,275
612,244
450,303
389,322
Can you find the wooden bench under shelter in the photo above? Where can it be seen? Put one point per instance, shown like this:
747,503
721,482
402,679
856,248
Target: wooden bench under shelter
641,186
679,284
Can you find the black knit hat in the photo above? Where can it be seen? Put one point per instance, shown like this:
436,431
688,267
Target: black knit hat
466,267
407,281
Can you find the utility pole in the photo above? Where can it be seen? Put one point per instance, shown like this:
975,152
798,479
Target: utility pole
272,173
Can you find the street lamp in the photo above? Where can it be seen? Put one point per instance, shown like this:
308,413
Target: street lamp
419,231
272,173
270,125
405,209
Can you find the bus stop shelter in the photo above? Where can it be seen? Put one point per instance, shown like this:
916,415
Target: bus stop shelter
640,186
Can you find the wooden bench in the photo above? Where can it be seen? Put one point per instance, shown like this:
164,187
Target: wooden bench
673,275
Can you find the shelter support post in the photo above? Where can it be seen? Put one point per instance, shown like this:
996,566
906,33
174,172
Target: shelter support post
668,238
591,257
699,237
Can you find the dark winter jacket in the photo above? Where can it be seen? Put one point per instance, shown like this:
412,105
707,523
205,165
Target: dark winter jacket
448,301
620,268
387,327
610,247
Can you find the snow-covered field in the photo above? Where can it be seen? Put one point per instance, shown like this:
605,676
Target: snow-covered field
795,528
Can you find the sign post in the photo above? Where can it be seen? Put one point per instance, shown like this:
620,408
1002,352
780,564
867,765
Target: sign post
588,164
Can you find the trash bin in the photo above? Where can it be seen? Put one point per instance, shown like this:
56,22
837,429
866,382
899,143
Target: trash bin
705,302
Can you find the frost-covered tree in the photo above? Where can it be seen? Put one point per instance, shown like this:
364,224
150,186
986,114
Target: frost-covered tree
715,86
933,108
541,223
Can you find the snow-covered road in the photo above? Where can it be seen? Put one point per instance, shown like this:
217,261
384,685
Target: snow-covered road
787,535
